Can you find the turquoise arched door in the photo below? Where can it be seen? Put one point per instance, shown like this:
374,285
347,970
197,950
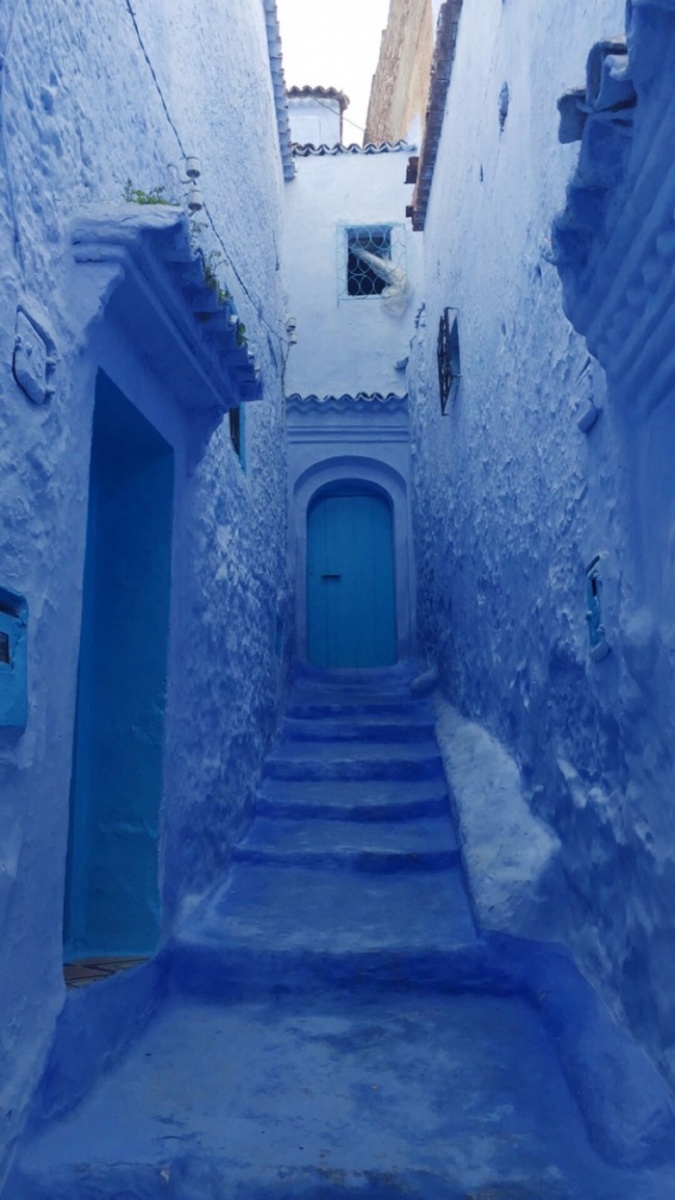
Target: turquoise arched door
351,611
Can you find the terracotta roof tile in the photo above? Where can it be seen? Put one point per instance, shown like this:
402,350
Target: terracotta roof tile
318,93
311,151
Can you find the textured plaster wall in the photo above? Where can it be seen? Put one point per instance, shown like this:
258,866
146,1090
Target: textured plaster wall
79,114
398,99
637,197
512,501
347,345
315,121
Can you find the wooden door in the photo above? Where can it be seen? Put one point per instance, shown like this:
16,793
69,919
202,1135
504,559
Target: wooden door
350,584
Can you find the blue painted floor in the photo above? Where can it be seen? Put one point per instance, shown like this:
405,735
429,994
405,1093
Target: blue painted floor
334,1024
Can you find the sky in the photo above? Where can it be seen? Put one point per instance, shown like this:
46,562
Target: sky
334,43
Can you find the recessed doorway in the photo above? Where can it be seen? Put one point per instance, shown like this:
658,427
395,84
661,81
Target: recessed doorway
351,610
112,890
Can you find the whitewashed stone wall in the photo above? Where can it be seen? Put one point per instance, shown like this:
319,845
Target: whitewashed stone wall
80,114
514,499
346,344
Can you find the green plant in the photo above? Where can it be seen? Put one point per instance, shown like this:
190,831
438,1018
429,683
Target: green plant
135,195
242,339
211,263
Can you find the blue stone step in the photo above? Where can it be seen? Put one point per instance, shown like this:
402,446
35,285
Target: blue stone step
333,761
353,799
304,708
409,728
351,697
350,693
426,845
374,861
237,971
332,1026
338,1098
435,833
332,912
396,678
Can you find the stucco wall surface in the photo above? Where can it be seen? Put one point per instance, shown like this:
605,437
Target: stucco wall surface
317,121
349,345
80,113
400,89
512,502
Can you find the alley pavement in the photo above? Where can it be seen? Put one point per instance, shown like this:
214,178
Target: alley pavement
333,1024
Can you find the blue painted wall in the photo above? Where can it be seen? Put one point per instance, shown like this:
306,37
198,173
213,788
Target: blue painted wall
79,94
513,499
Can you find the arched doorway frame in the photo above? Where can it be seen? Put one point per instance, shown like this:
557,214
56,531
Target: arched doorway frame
351,469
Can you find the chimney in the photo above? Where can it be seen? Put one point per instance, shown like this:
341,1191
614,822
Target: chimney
316,115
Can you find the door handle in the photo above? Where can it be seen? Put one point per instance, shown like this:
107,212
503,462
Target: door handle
331,577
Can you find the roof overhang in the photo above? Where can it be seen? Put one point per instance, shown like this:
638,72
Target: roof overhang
279,86
136,266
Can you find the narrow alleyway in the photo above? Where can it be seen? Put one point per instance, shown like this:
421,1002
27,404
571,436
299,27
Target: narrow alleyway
334,1023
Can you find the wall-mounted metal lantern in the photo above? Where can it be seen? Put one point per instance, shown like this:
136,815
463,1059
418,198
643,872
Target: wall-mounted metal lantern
449,373
34,359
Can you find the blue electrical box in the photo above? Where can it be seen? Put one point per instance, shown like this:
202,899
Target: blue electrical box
13,675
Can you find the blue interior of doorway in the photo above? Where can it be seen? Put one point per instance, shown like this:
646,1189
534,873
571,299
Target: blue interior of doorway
351,610
112,890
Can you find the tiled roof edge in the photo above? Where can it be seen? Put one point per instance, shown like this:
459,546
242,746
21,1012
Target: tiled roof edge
345,403
441,73
309,150
279,86
322,93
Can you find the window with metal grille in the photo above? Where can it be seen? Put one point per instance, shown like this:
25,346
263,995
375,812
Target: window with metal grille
371,260
362,280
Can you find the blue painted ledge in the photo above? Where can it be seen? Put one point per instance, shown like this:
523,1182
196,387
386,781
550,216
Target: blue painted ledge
96,1026
624,1100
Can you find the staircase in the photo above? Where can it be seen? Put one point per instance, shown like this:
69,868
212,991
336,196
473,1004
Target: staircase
334,1025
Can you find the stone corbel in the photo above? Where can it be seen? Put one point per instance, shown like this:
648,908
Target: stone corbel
614,244
608,97
600,116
